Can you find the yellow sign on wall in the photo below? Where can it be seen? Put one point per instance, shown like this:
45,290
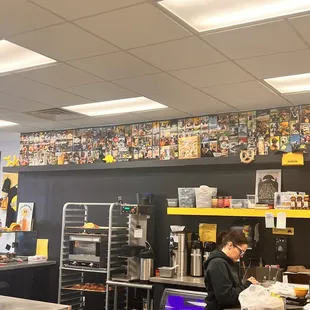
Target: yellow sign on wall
290,231
293,159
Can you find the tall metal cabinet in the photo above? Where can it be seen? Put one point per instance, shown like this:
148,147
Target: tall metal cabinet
114,229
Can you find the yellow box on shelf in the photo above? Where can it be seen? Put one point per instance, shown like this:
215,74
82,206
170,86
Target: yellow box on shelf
293,159
236,212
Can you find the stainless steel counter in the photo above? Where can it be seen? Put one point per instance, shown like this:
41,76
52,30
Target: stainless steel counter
183,281
16,266
10,303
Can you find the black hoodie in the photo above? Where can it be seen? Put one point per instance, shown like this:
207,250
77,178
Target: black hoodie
222,282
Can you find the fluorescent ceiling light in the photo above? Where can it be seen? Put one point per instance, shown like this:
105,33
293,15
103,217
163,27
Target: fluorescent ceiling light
14,58
120,106
7,124
291,84
205,15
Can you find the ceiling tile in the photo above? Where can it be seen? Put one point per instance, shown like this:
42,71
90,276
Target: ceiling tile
247,96
258,40
60,76
85,122
18,16
134,26
72,9
5,112
25,119
17,104
114,66
298,98
216,74
50,125
102,91
153,84
278,64
162,114
193,102
302,25
179,54
127,118
63,42
19,129
59,98
22,87
17,85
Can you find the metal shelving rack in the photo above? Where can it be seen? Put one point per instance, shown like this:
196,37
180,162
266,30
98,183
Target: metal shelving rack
74,216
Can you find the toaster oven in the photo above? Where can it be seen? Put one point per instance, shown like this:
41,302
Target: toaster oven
88,250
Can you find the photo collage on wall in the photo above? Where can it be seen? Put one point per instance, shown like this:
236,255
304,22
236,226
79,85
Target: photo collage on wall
221,135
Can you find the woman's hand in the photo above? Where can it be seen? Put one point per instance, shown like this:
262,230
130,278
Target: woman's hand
253,280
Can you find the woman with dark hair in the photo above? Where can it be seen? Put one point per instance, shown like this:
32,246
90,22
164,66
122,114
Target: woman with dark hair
221,274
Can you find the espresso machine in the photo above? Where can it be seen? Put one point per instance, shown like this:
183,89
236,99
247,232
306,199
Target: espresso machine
178,252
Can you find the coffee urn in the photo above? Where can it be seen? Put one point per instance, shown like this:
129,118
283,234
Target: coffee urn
207,249
146,263
178,252
196,259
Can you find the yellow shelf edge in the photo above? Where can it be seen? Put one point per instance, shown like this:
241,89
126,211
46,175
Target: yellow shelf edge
236,212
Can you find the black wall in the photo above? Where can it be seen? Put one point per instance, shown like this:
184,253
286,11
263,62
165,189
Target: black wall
51,190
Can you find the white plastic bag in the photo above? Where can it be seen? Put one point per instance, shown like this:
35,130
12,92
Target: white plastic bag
204,196
257,297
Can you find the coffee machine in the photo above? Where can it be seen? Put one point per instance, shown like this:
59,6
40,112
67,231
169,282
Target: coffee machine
178,252
208,247
138,252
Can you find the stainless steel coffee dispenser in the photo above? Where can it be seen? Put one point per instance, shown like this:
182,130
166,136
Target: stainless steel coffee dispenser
178,252
196,259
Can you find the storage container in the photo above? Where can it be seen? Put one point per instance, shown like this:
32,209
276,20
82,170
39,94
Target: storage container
239,203
172,202
187,197
166,272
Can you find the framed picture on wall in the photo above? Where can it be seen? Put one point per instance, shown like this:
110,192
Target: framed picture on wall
24,215
267,183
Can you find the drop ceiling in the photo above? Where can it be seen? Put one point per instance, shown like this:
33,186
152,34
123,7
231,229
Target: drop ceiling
108,50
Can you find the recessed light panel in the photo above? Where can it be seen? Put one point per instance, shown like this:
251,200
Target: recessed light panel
204,15
14,58
120,106
7,124
291,84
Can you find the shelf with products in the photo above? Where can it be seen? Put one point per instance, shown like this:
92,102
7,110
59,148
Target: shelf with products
136,164
236,212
